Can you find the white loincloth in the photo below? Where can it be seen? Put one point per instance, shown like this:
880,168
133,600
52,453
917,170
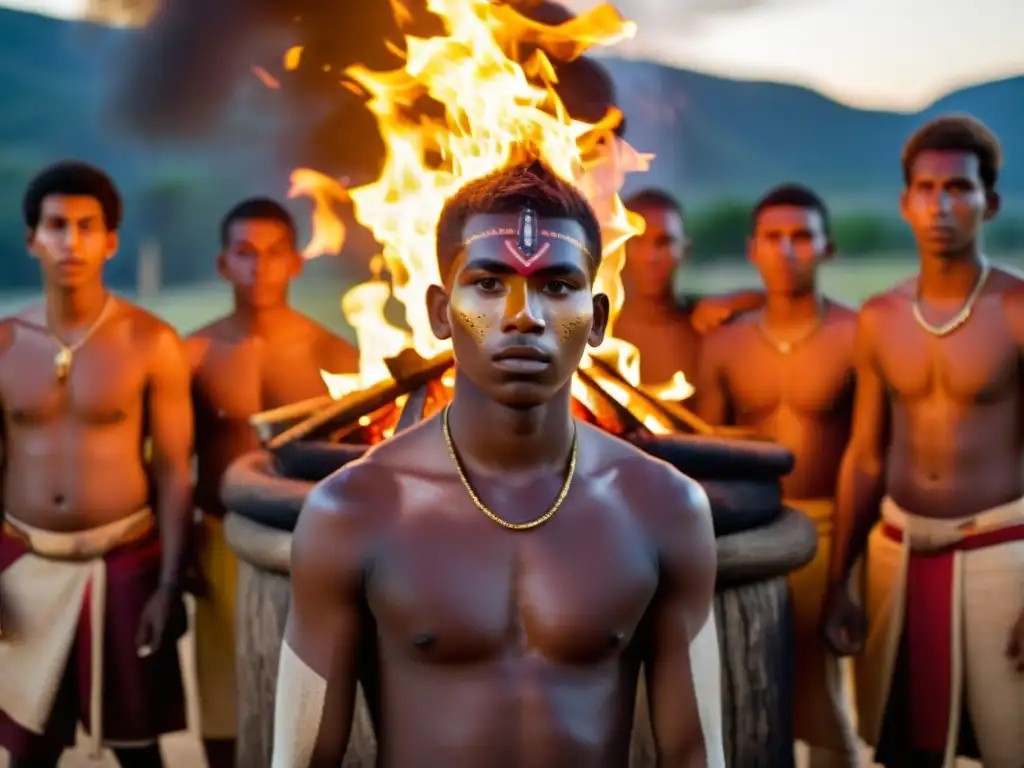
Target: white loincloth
987,597
42,594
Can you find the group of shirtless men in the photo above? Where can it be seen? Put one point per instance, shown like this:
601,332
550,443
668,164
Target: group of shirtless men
501,557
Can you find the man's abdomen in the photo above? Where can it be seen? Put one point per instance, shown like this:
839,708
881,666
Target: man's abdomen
72,478
947,464
519,713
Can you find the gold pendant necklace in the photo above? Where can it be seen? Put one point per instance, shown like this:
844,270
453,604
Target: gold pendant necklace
66,354
785,347
960,317
483,508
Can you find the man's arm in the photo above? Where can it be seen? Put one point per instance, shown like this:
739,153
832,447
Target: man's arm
318,672
171,432
709,312
681,662
335,354
711,394
861,483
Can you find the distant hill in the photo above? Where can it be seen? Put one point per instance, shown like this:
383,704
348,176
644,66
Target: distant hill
717,137
714,137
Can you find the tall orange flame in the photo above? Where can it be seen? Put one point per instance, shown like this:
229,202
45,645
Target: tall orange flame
494,107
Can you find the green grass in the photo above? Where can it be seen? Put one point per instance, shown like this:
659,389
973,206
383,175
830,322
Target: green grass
318,291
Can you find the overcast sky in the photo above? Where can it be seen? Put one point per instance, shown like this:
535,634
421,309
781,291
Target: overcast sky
895,54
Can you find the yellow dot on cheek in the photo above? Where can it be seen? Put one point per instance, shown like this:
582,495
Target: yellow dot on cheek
570,326
476,325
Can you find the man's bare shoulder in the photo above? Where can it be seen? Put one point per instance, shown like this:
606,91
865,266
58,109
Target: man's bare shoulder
215,330
201,342
1007,281
880,306
334,352
146,326
355,503
726,335
1009,285
839,312
658,492
7,331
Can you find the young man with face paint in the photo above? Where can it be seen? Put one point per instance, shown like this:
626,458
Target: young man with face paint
666,331
501,557
937,451
90,575
787,373
262,355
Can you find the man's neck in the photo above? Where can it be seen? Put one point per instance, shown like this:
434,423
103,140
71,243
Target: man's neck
951,275
650,309
787,309
68,308
495,438
258,321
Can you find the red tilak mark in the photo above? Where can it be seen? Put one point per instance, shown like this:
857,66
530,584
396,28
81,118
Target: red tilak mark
522,258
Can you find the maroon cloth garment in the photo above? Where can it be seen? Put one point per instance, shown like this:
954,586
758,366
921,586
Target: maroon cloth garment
142,698
928,633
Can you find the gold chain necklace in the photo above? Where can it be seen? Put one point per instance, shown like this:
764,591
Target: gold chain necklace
483,508
785,347
960,317
66,354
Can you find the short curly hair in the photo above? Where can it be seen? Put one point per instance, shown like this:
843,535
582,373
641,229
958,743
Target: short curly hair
956,133
72,177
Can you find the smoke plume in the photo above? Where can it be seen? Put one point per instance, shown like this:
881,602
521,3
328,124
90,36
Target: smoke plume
181,73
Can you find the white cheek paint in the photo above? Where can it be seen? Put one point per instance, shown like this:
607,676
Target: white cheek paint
707,685
298,710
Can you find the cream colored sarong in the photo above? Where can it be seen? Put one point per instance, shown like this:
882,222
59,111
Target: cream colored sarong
987,597
43,593
215,634
822,716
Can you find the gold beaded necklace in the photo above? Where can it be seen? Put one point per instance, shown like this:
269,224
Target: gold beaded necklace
785,346
960,317
483,508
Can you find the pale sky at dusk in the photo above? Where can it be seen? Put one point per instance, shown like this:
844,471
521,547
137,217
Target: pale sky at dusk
894,54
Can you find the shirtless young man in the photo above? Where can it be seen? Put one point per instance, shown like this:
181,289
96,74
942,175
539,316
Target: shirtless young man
90,575
667,333
787,372
261,356
502,558
938,443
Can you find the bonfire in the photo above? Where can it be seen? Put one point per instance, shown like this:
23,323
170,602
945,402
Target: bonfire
489,77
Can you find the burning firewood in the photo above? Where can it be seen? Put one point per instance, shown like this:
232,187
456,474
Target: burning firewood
410,372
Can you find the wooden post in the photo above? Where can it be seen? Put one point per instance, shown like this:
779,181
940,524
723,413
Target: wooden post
148,272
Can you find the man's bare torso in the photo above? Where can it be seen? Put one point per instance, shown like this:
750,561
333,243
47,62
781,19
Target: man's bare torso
955,444
802,400
74,451
236,376
532,640
667,343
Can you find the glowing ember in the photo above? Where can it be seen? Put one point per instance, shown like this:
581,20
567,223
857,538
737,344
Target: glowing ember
494,110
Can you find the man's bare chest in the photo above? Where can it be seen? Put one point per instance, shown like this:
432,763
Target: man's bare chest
978,363
104,384
236,383
816,379
460,592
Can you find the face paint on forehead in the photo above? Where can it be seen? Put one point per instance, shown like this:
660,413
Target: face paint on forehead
527,247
